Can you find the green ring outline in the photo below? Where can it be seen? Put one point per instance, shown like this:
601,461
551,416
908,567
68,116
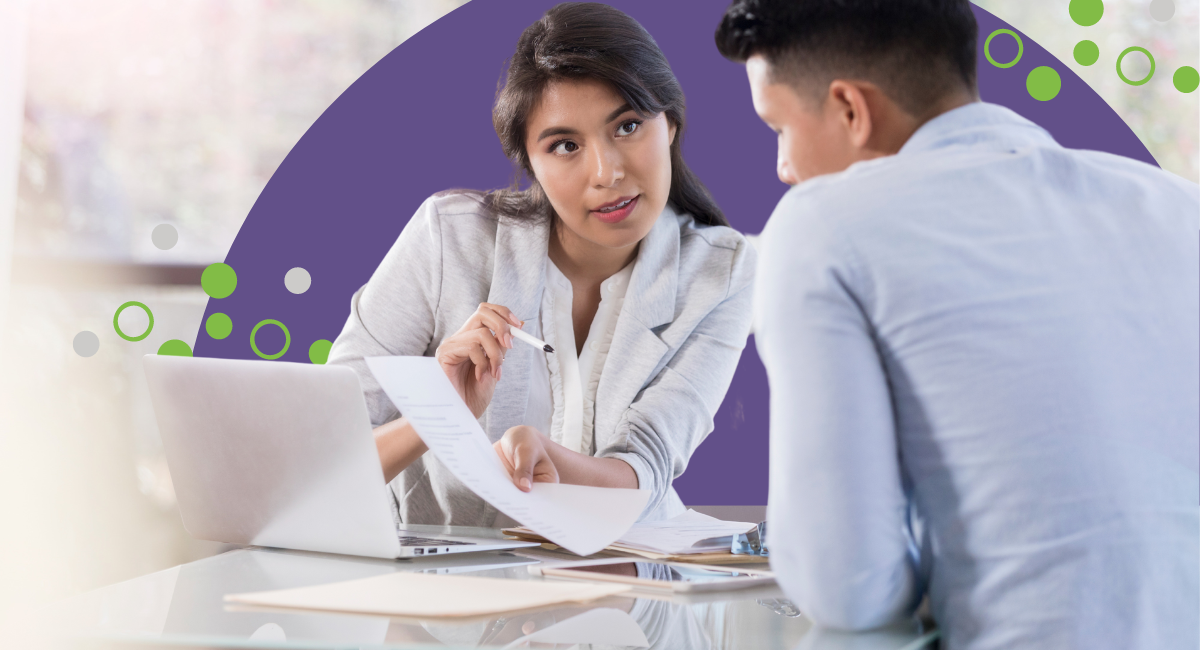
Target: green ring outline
1135,48
287,341
117,326
988,53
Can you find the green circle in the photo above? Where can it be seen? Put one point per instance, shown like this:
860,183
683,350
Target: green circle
1086,13
1148,56
1186,79
175,348
218,325
219,280
988,53
1043,83
117,326
1086,52
287,341
318,352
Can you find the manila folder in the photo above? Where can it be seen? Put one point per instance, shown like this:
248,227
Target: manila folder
432,596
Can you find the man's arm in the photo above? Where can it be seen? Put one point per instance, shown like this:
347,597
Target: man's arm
836,508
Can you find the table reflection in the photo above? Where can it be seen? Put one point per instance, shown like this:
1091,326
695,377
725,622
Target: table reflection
187,603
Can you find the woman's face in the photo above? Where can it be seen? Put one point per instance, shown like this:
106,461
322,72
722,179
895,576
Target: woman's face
605,169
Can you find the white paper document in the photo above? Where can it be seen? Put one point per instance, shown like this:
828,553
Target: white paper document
688,533
579,518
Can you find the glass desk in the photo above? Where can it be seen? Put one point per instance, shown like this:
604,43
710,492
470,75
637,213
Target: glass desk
184,606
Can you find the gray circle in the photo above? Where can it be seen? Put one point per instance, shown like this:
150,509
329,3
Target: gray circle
86,343
164,236
1162,10
297,280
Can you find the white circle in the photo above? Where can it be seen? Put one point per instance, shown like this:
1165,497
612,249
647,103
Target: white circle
1162,10
86,343
297,280
164,236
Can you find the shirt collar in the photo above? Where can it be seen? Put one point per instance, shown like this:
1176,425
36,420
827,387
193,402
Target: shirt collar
612,286
652,279
977,124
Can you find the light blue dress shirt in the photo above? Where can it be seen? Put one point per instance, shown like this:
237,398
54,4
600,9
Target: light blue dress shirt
1001,336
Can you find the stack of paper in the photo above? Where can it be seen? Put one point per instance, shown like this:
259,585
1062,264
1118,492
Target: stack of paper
420,595
691,536
688,533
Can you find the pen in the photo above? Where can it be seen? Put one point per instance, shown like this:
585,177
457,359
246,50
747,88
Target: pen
530,339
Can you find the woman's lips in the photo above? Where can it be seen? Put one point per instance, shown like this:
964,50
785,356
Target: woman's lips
617,216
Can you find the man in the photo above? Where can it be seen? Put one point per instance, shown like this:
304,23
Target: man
983,347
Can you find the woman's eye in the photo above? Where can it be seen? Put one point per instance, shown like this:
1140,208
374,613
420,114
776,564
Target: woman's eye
564,147
628,127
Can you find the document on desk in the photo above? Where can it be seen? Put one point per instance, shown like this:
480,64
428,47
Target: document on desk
579,518
689,533
684,534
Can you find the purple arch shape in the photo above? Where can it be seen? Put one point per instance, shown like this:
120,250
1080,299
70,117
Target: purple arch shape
419,122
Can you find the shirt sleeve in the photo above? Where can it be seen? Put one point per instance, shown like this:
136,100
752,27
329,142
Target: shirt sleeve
837,507
674,413
394,313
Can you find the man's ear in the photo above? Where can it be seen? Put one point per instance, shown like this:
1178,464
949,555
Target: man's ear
852,111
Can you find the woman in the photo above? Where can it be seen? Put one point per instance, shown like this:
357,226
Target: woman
615,255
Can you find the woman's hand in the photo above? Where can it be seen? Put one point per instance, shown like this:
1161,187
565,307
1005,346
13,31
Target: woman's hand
524,452
473,356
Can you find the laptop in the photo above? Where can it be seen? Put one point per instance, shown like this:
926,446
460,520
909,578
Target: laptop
269,453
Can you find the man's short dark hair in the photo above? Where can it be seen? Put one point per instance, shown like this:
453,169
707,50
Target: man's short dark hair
917,51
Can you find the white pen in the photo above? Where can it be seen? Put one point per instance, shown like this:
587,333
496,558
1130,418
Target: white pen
530,339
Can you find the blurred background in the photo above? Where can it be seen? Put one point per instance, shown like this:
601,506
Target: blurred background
119,116
116,117
1165,119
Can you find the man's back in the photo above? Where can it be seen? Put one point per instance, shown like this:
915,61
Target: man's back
1019,324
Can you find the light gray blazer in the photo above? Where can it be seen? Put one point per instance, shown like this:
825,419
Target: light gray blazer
685,320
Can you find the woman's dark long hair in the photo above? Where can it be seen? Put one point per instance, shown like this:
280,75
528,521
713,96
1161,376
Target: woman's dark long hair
589,40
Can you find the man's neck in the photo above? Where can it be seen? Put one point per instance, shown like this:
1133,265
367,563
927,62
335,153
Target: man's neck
941,107
896,125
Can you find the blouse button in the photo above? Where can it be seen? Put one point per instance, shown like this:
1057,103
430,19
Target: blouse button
595,346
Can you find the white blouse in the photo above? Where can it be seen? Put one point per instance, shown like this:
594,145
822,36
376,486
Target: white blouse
563,395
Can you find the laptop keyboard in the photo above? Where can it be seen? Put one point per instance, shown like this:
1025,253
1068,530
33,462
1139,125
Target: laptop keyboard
425,541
